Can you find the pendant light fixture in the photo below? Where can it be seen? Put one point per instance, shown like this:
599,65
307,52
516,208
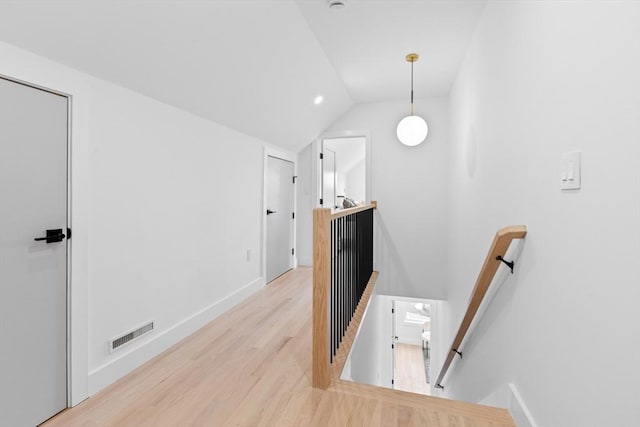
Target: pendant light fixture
412,130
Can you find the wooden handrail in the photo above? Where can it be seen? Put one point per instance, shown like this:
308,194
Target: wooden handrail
350,211
322,369
499,247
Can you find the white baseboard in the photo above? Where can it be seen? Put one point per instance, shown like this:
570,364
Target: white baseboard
115,369
410,341
305,261
508,397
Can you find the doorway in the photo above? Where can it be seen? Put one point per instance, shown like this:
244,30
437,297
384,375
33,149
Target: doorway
280,212
33,253
412,345
343,171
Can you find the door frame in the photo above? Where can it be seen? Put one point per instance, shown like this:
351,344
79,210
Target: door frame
434,307
69,225
335,178
288,156
316,166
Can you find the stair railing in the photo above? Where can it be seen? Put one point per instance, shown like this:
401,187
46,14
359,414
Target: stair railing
343,279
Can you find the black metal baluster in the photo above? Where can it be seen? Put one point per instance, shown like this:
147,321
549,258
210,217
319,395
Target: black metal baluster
349,305
351,268
332,339
342,278
337,301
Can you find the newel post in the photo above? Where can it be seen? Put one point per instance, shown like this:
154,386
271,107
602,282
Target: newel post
321,282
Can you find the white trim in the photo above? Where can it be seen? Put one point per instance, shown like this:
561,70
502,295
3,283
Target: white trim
366,134
409,342
306,261
507,396
519,410
271,151
110,372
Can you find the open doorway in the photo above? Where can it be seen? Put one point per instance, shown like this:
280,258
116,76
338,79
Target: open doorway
412,345
343,173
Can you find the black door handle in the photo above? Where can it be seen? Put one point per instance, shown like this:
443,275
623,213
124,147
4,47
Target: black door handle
53,236
269,212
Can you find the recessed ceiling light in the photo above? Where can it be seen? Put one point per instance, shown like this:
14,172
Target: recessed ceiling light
318,100
337,4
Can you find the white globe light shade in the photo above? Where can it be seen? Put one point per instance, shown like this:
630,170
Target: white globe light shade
412,130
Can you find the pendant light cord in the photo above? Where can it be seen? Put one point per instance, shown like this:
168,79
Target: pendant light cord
412,88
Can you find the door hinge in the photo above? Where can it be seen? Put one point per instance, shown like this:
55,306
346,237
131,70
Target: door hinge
393,346
293,215
321,156
293,251
68,233
321,201
393,310
294,178
392,382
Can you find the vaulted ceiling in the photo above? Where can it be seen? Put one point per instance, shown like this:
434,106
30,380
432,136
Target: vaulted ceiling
253,65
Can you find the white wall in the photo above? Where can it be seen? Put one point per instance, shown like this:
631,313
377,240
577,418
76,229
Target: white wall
305,203
350,165
370,359
365,354
165,206
408,333
409,184
541,79
354,182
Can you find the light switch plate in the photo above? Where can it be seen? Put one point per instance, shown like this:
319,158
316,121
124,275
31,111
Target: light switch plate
570,171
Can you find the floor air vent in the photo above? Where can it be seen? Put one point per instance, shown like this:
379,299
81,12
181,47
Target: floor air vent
117,343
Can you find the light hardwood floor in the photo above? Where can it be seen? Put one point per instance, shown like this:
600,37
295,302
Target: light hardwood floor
252,367
408,369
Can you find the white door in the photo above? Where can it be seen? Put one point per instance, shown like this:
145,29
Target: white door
329,178
280,213
394,341
33,274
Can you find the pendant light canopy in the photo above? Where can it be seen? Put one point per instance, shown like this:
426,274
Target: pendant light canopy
412,130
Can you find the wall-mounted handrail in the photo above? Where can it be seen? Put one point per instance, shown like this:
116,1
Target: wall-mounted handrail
342,277
501,243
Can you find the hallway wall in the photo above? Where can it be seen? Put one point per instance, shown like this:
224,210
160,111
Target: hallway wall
165,206
409,184
542,79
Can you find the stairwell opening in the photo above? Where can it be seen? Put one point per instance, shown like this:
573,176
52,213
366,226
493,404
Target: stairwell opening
397,344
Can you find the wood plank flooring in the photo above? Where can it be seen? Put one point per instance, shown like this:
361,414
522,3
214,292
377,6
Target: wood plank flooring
252,367
408,367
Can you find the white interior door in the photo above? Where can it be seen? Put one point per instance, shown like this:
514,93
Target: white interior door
394,340
280,209
328,178
33,274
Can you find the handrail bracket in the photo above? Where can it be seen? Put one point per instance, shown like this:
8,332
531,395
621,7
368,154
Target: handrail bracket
509,264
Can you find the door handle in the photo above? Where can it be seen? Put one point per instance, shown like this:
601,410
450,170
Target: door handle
52,236
269,212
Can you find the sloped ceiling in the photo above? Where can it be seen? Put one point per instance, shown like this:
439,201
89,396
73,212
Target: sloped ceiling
368,40
253,65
